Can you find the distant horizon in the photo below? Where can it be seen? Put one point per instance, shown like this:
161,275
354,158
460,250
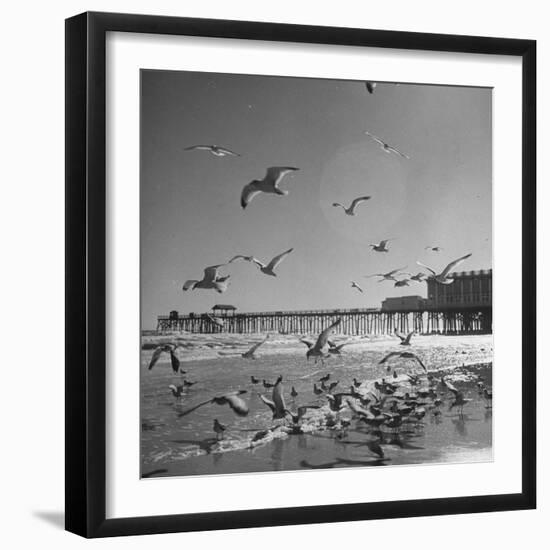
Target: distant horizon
190,212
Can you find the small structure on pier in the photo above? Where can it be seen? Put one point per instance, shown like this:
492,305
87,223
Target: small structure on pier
404,303
462,307
223,310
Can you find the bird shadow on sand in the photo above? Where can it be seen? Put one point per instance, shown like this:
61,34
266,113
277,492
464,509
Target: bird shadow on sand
54,518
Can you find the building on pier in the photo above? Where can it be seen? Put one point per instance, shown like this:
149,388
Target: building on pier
404,303
470,289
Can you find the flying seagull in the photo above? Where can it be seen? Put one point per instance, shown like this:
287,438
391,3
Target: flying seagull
389,276
370,86
355,285
216,150
433,248
404,355
177,391
250,353
316,350
232,399
402,282
277,401
381,247
405,340
270,184
335,349
215,320
385,147
166,348
210,280
268,269
419,277
443,277
350,211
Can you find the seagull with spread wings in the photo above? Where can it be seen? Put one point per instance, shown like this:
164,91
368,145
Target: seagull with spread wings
382,246
277,401
232,399
316,349
210,280
216,150
402,282
443,277
403,355
270,184
218,321
268,269
350,211
355,285
386,147
250,354
433,248
405,340
166,348
336,349
389,276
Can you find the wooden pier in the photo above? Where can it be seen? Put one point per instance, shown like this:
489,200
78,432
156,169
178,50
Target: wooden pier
463,320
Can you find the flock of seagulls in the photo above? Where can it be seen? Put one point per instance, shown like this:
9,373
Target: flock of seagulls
384,404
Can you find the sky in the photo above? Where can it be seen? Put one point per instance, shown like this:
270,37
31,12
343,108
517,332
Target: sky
191,216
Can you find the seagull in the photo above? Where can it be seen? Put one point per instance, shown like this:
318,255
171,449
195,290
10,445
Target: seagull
219,429
433,248
350,211
389,276
405,340
188,383
385,147
459,401
316,390
357,383
270,184
210,280
277,401
300,412
216,150
402,282
267,384
336,349
370,86
177,391
443,277
325,378
268,269
167,348
250,353
335,401
293,392
381,247
419,277
231,398
254,380
215,320
355,285
316,350
404,355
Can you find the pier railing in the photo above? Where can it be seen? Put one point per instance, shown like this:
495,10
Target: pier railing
471,320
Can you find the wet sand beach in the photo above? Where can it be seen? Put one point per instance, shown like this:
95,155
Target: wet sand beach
173,446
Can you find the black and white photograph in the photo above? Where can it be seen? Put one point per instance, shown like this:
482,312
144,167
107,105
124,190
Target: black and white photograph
315,274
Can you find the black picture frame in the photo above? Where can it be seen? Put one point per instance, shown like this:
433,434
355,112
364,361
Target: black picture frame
86,283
